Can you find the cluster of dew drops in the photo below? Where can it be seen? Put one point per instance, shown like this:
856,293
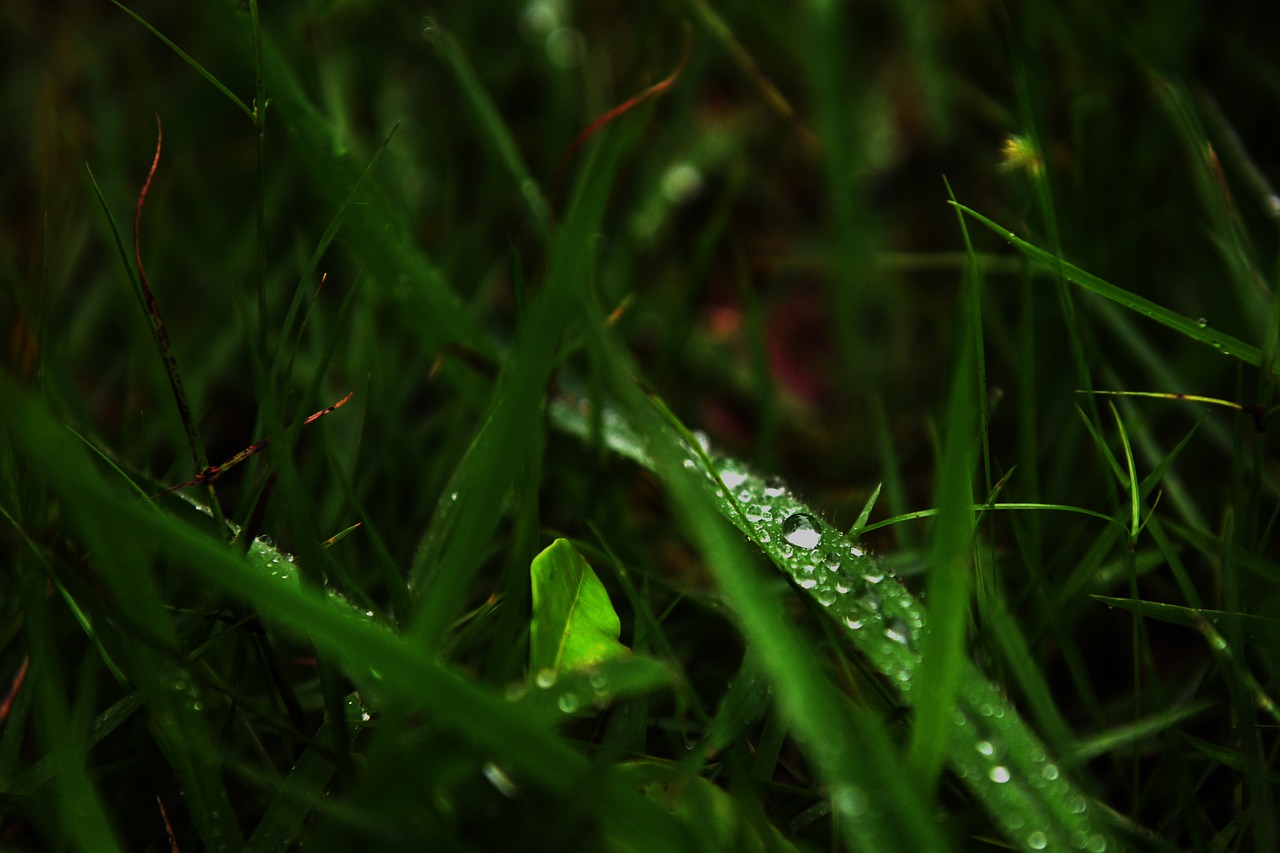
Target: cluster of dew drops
837,573
881,615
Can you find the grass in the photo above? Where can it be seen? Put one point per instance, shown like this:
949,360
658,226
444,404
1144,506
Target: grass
859,441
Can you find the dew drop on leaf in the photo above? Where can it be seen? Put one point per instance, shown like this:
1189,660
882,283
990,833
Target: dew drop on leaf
802,530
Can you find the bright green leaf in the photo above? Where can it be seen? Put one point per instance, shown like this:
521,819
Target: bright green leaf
574,623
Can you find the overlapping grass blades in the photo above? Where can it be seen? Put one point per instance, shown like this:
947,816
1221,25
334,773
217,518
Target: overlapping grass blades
121,531
991,749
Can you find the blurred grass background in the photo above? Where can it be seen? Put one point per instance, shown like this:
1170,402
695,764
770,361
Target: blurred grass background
791,273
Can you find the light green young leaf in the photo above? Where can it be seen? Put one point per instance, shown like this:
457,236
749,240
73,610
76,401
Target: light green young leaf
574,623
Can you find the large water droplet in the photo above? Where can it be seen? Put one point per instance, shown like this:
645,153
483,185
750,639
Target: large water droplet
999,774
704,441
568,703
774,487
732,473
1037,840
802,530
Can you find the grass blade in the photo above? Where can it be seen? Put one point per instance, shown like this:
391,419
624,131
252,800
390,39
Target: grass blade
1193,329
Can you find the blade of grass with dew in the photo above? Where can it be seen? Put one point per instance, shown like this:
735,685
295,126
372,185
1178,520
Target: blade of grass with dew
874,803
148,647
1194,330
479,717
992,751
1136,732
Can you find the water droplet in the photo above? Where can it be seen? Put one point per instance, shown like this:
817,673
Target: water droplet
843,586
568,702
599,684
690,464
703,440
764,536
429,31
849,801
754,513
1202,322
744,496
999,774
871,601
774,487
731,473
565,48
802,530
985,748
545,678
786,551
873,576
808,583
500,780
852,623
897,631
682,182
1050,772
1037,840
826,596
1097,844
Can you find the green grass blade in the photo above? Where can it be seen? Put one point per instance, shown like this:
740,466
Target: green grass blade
491,125
77,807
196,66
1193,329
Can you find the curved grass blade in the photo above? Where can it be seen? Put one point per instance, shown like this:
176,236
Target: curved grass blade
1196,331
196,66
